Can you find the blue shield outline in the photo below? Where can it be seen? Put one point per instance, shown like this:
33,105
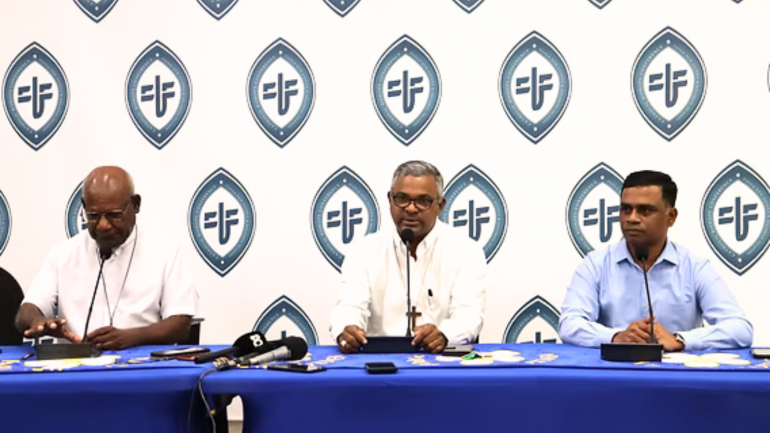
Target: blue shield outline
406,46
224,7
35,53
472,175
535,307
600,3
280,49
669,38
601,173
738,171
158,52
96,11
72,212
284,306
535,42
6,223
221,178
469,5
340,8
344,177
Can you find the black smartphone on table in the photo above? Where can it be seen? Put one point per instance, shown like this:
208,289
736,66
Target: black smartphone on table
297,368
162,355
381,367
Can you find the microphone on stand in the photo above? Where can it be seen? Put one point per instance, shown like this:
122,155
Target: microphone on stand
625,352
392,344
83,349
642,254
407,236
104,254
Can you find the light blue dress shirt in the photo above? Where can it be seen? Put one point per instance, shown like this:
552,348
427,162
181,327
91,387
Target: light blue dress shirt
607,294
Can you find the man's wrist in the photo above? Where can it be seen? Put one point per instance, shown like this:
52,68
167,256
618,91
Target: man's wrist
680,340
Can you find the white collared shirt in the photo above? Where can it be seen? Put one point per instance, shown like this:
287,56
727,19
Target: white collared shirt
157,285
449,265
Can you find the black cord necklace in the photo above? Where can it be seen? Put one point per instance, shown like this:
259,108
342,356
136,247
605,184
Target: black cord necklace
110,311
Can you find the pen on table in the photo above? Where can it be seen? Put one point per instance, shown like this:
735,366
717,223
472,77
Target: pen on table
430,295
27,355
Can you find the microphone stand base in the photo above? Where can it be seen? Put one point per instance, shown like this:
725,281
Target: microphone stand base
622,352
66,351
389,345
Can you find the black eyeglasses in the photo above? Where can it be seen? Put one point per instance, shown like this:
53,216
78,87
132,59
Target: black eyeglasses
403,201
113,217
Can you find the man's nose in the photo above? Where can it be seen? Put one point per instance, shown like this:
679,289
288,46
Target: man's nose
103,224
411,207
633,217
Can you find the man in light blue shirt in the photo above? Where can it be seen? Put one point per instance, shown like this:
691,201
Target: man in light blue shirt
607,302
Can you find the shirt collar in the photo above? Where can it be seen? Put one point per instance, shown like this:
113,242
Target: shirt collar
424,245
669,253
128,242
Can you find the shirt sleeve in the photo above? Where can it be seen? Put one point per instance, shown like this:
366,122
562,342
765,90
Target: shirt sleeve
728,327
44,291
179,297
578,323
354,294
466,307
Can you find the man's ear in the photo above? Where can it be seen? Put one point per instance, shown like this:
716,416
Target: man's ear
441,204
672,214
136,199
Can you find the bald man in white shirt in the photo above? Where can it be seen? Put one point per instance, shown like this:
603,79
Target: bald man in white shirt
448,273
146,295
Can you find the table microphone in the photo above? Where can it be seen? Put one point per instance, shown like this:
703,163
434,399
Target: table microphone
290,348
104,253
84,349
245,344
629,352
642,254
407,236
392,344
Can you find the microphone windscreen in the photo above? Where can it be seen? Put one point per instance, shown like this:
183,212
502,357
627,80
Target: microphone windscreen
297,346
105,253
407,235
253,342
642,252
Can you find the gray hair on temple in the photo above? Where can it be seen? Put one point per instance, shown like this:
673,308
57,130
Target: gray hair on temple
418,169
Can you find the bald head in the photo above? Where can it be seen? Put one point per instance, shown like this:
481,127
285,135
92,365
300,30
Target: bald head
109,180
111,205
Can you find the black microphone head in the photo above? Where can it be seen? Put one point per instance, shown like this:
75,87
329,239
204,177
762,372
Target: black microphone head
297,347
642,252
407,235
252,342
105,253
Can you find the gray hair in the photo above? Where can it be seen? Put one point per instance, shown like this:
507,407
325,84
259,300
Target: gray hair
418,169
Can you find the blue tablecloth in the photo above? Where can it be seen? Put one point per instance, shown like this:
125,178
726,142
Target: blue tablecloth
589,395
137,398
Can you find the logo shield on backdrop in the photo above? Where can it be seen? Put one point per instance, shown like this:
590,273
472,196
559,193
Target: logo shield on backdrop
35,95
406,89
344,209
735,217
222,221
158,94
284,318
476,205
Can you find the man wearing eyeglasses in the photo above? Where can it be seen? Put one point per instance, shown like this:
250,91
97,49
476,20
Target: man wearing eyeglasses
448,273
145,296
